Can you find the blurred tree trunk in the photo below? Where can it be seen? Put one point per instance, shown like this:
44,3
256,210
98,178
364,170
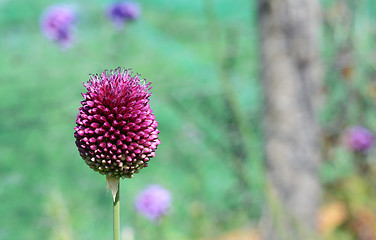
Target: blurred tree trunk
291,78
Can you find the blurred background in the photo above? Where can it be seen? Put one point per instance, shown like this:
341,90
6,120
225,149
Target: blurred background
203,60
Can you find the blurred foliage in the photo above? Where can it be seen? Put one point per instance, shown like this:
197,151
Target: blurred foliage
202,58
349,31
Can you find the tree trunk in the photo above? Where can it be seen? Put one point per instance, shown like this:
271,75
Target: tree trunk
291,78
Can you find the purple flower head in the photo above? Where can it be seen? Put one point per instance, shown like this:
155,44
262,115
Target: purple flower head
116,132
359,139
57,24
121,12
153,202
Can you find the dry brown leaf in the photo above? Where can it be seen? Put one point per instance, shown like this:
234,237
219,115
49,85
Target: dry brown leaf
331,216
364,223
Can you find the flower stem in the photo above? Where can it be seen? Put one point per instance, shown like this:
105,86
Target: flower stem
117,216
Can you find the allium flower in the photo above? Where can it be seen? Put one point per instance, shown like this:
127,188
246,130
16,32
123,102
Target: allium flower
116,132
121,12
57,24
359,139
154,202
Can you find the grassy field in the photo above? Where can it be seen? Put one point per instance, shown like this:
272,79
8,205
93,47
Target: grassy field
47,191
202,58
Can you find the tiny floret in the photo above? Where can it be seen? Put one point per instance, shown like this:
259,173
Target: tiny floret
121,12
116,132
359,139
57,24
154,202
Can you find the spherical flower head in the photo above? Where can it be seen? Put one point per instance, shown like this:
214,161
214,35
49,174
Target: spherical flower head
57,23
153,202
359,139
116,132
121,12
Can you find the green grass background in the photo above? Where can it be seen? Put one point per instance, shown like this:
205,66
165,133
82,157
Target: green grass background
203,60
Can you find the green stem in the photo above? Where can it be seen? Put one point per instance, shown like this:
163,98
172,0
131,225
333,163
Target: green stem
117,216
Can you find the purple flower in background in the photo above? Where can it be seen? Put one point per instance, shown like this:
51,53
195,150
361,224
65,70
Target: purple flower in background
57,23
153,202
359,139
116,132
121,12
